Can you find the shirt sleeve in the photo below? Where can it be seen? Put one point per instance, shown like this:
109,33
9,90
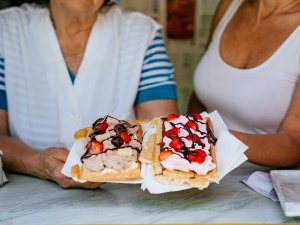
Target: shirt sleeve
157,76
3,99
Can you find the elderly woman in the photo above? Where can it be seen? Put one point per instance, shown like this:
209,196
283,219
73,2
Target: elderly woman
250,74
64,64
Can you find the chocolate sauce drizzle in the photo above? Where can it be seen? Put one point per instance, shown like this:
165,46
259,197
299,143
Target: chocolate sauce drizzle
195,139
93,134
211,137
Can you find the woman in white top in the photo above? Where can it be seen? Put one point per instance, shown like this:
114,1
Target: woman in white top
250,75
65,64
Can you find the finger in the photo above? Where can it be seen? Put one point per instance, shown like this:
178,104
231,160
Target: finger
60,155
52,161
86,185
69,183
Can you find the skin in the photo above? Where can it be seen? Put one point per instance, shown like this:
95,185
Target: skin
250,32
73,21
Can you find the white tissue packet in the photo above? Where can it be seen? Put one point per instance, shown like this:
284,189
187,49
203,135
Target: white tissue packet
262,184
3,178
287,186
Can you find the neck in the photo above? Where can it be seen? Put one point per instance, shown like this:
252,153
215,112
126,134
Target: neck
267,8
71,22
72,25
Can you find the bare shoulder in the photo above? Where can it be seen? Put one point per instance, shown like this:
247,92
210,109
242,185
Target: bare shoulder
220,11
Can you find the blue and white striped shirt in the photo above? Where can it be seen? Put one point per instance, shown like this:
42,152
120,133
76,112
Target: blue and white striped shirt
3,100
157,75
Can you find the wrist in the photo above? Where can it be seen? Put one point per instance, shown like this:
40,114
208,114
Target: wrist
32,164
38,165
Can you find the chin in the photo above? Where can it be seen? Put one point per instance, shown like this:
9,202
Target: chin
80,6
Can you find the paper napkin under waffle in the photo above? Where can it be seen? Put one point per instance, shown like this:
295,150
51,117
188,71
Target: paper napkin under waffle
229,154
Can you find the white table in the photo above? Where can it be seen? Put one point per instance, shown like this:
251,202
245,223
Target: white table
28,200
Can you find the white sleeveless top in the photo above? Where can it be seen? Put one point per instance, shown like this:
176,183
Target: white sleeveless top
44,107
252,100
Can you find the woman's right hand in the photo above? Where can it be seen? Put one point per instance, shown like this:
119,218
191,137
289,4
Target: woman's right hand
51,162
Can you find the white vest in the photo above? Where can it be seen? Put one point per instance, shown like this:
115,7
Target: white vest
44,107
253,100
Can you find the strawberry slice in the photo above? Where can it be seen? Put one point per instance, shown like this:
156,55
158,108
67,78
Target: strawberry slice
172,117
101,127
192,125
189,137
197,117
197,156
172,133
165,154
125,137
197,139
96,147
176,144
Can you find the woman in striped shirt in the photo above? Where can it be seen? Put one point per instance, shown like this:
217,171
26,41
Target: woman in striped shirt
64,64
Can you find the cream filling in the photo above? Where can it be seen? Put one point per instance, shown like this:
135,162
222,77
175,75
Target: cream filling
94,163
132,166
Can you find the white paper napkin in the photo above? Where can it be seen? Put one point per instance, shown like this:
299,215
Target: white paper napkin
74,158
229,154
261,183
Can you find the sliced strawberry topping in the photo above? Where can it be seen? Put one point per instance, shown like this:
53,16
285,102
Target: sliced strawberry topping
194,138
197,139
197,117
192,125
173,133
101,127
125,137
96,147
189,137
176,144
165,154
171,117
197,156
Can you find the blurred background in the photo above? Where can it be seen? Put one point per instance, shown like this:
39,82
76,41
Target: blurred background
186,25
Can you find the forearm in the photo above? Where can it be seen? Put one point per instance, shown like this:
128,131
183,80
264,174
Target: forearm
19,158
275,150
151,109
